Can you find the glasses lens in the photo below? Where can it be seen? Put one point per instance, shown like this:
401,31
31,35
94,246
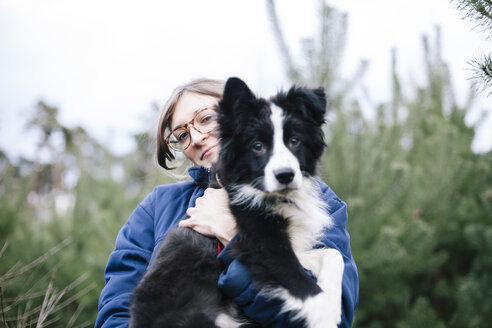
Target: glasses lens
179,139
205,121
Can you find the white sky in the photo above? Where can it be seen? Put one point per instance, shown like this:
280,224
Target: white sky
104,62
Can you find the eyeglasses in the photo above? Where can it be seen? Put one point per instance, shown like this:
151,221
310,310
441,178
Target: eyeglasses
203,122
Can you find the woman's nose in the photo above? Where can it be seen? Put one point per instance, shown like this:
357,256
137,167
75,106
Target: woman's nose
196,136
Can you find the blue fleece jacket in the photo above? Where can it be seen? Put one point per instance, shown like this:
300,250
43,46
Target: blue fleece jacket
140,238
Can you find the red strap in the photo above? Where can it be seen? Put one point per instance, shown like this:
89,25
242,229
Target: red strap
220,247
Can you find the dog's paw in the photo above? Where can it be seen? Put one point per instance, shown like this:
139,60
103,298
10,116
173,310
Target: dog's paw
322,311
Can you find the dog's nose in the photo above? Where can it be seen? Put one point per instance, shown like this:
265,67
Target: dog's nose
284,176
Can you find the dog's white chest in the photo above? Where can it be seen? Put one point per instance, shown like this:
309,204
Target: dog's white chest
307,216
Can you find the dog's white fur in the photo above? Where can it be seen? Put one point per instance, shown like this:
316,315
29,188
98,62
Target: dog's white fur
225,320
281,157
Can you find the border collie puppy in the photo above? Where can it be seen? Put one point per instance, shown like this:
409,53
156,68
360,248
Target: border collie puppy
267,162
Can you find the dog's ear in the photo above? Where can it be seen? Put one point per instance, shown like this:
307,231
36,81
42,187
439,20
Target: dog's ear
311,103
236,92
320,96
313,100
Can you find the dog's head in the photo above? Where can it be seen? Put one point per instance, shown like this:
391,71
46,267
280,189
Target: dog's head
269,144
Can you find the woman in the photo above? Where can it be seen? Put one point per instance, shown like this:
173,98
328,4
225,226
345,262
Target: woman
209,214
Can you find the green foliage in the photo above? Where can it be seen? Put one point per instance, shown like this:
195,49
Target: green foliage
480,13
30,298
415,190
76,189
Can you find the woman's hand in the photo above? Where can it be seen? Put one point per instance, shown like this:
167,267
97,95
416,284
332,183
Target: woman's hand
211,216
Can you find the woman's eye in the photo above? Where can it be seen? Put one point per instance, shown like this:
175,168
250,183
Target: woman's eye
182,136
294,142
206,119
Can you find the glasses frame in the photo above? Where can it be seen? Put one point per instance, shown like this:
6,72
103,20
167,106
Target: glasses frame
188,125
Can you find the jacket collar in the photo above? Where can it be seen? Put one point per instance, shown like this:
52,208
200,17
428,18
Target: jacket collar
200,175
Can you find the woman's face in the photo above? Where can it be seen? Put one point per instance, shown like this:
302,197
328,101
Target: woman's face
204,147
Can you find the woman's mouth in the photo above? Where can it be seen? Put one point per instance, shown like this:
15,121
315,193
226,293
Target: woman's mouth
207,152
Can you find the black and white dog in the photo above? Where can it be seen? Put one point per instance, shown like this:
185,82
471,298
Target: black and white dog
268,158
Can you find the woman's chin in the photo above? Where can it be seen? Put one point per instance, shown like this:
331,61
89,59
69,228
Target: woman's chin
207,161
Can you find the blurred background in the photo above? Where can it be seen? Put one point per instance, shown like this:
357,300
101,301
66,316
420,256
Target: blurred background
409,131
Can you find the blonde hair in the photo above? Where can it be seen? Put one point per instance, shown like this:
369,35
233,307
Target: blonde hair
202,86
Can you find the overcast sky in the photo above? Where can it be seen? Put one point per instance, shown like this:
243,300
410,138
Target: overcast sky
103,63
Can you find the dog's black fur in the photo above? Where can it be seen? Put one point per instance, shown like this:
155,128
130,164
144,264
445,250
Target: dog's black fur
180,287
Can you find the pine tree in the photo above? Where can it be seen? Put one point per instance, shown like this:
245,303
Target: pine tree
480,12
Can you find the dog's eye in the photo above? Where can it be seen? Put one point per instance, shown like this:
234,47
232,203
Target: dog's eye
258,147
294,142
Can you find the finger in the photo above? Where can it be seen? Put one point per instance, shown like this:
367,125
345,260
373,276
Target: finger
199,201
188,223
189,211
220,192
211,192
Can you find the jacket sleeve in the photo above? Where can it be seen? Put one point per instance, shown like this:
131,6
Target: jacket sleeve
337,237
126,265
236,281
